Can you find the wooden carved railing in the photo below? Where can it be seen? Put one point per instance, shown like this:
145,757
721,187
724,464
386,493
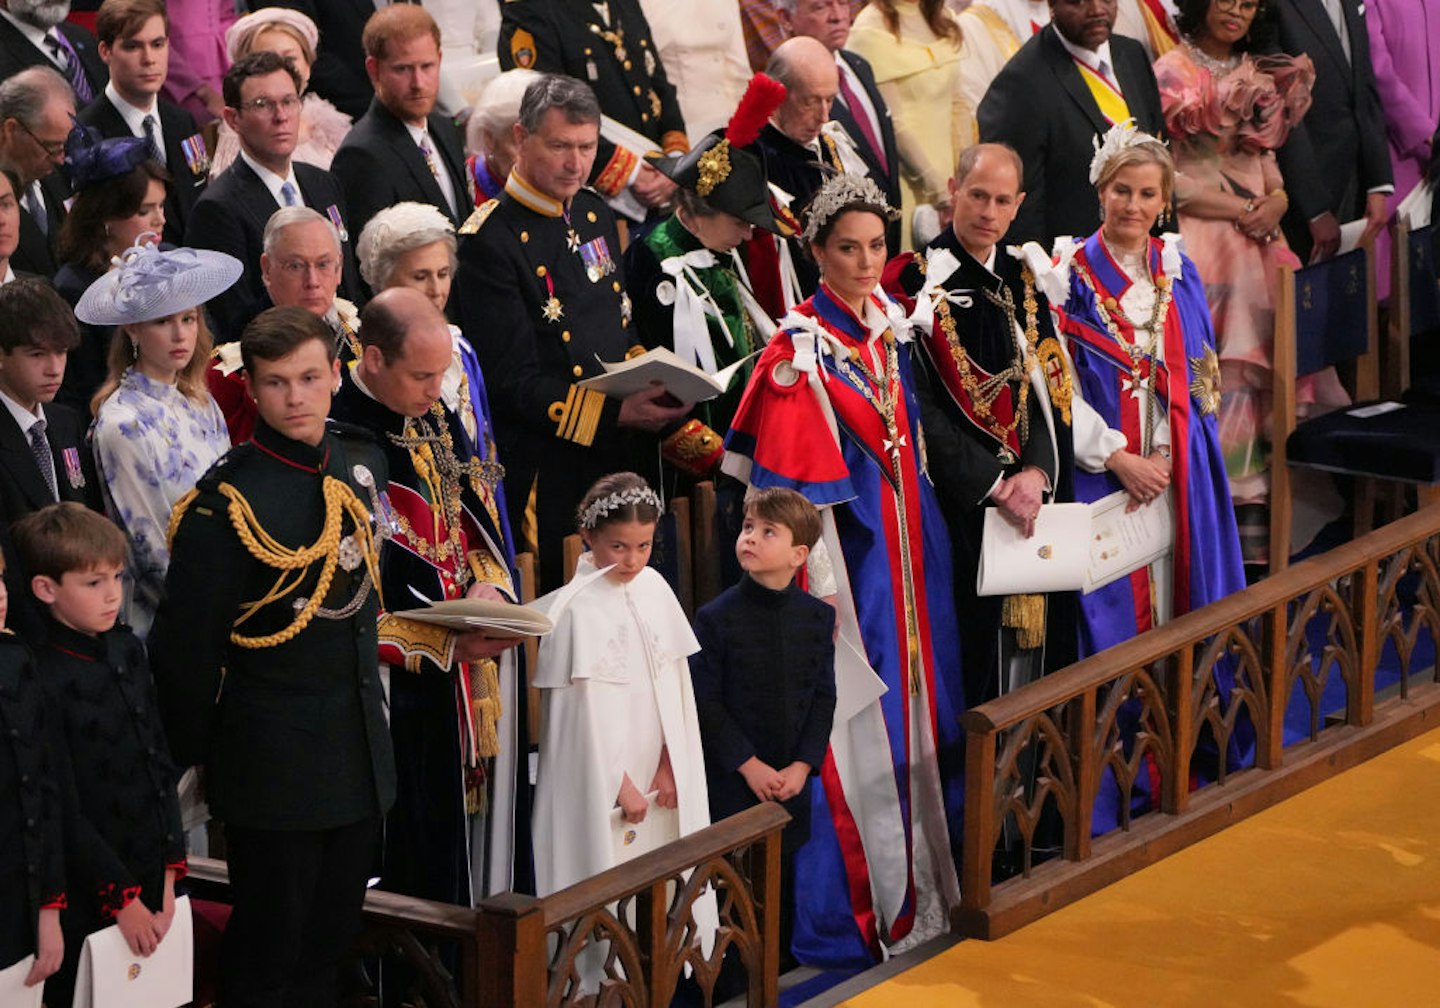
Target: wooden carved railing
629,928
1154,711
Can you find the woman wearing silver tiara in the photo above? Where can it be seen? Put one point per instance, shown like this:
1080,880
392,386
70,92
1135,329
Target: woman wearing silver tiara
1132,311
830,412
156,427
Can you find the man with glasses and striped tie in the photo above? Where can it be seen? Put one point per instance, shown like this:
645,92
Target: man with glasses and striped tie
262,106
35,33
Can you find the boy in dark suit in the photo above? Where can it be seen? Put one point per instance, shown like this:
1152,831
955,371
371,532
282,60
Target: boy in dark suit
43,455
764,677
124,848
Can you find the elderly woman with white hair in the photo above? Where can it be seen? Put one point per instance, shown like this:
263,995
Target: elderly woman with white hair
294,37
413,245
490,135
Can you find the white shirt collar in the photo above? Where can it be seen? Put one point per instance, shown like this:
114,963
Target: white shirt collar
9,274
272,181
22,416
1094,59
419,133
135,117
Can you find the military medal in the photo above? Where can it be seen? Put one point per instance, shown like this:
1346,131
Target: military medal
196,156
333,212
595,255
551,309
73,472
349,553
616,39
572,237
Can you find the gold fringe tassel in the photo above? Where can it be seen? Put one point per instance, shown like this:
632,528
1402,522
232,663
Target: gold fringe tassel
1025,614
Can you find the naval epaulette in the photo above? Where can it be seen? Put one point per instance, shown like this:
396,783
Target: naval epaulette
477,219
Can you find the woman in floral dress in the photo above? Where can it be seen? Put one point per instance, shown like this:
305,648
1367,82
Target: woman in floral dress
1229,105
156,428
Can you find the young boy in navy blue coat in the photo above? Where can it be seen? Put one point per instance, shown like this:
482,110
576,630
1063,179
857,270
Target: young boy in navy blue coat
124,848
32,866
764,677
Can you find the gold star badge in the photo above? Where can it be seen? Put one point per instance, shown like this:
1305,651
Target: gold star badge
552,309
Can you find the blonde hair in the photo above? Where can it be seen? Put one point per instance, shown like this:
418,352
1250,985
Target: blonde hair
1143,152
190,380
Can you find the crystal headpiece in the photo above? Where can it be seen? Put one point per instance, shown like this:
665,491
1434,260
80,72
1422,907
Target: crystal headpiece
598,509
1122,136
838,193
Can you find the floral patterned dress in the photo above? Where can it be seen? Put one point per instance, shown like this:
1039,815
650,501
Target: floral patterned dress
1225,125
152,443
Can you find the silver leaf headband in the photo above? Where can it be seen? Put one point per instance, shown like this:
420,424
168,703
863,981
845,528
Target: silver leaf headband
598,509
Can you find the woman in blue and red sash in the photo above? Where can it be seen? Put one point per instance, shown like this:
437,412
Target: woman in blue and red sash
1147,390
830,412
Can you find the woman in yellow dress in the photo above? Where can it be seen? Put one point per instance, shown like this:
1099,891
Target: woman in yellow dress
914,48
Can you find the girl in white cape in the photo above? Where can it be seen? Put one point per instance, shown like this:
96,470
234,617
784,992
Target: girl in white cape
620,725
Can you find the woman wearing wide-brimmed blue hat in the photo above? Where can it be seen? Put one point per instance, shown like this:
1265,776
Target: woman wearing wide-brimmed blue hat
156,427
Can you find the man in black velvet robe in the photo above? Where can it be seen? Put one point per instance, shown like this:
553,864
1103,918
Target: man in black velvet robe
1002,444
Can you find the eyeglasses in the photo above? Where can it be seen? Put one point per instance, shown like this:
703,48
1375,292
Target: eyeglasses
270,106
299,267
1250,7
52,148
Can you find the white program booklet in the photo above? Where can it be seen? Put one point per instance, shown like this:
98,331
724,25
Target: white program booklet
681,379
111,976
1121,541
1055,558
13,992
659,827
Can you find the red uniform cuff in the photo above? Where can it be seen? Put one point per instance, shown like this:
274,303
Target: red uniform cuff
114,897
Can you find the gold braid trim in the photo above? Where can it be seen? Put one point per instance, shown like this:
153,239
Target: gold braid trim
176,513
339,500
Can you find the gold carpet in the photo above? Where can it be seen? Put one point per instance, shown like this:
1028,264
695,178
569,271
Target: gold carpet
1331,899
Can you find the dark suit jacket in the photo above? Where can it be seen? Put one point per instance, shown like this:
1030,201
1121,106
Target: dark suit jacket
32,842
35,252
339,70
230,217
379,165
17,52
1039,105
23,490
889,181
177,126
1339,152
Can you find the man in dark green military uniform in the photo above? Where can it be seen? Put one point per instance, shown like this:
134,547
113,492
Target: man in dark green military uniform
265,657
608,46
540,276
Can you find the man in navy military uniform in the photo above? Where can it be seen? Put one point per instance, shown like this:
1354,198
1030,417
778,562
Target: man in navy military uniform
607,45
540,274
